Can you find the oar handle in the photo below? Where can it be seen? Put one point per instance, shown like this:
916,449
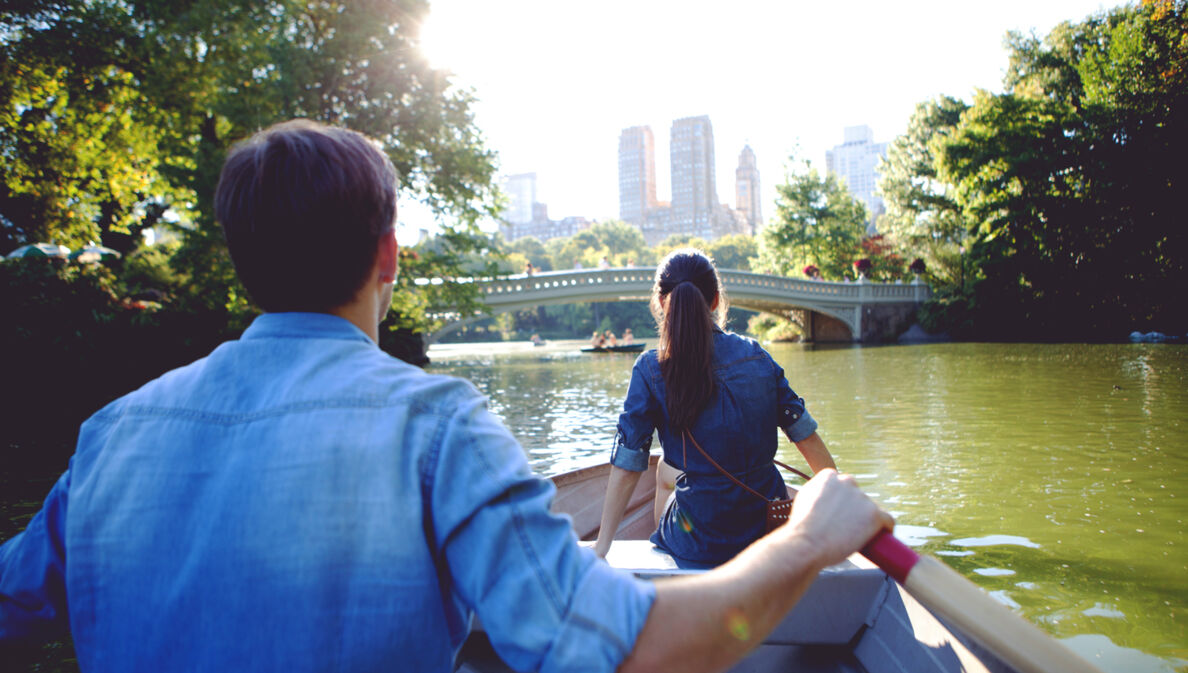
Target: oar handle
950,596
894,557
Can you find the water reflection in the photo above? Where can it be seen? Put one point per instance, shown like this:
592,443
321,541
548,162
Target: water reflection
1054,476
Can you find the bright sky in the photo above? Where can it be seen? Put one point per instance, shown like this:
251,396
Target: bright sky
557,80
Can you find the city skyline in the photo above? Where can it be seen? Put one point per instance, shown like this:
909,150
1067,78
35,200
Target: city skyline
556,83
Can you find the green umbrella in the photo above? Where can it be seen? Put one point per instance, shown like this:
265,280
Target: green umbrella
92,253
40,250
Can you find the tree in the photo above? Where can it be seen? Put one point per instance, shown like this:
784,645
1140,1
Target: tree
1070,178
923,218
532,250
618,241
734,251
196,77
79,141
817,221
676,242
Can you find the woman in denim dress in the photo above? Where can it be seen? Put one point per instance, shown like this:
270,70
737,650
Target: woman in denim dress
725,392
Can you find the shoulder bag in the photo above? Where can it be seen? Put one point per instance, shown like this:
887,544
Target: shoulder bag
778,509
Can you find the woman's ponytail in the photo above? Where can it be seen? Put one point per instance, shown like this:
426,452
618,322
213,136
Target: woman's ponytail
686,286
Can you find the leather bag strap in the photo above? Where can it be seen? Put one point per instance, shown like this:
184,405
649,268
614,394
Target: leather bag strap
729,476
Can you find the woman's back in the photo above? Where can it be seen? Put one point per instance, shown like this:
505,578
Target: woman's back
717,389
713,518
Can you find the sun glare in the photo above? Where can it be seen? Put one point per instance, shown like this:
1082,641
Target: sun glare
436,45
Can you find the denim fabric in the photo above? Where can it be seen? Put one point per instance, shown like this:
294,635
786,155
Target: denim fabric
300,501
712,519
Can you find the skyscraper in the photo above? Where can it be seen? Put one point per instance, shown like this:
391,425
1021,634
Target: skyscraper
694,186
746,189
637,173
521,194
856,161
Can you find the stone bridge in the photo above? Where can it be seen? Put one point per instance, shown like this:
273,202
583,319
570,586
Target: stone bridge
829,312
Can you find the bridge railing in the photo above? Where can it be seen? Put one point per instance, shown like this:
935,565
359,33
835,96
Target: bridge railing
637,281
552,280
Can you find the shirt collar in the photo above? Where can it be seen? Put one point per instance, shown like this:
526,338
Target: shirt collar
303,326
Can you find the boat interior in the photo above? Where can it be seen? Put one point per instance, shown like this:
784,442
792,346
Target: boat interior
853,618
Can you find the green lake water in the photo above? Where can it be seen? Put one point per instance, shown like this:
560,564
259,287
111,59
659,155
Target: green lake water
1054,476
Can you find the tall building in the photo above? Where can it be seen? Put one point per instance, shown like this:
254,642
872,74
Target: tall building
521,193
637,174
694,184
856,161
747,201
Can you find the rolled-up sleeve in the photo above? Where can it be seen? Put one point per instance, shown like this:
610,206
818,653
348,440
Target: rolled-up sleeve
794,420
546,603
32,574
637,423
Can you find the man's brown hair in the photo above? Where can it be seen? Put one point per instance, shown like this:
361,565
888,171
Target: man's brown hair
303,207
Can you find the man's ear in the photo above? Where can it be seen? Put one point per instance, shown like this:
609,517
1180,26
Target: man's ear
388,258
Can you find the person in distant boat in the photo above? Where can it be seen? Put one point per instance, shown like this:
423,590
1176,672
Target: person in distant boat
597,340
299,500
628,337
536,340
717,389
610,339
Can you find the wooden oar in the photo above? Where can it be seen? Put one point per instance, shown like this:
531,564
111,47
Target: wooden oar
962,603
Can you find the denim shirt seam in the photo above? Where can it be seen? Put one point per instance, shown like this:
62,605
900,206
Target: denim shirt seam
739,361
591,625
529,550
221,418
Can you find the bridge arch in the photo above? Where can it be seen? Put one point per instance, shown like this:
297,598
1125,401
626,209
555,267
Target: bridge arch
828,311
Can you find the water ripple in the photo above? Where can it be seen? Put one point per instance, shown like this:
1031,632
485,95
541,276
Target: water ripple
995,540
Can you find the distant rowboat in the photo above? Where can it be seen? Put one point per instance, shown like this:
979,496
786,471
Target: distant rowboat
629,348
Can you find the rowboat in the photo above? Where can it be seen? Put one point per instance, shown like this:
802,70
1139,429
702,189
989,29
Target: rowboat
853,619
629,348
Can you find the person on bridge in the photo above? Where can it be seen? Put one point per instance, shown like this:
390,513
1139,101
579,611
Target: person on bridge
298,500
710,388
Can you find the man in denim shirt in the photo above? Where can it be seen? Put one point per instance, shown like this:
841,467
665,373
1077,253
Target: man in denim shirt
300,501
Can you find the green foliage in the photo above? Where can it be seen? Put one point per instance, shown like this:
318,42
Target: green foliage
923,218
1071,179
74,345
147,273
678,241
533,251
735,251
1050,210
449,259
618,241
817,221
117,112
80,153
885,262
768,328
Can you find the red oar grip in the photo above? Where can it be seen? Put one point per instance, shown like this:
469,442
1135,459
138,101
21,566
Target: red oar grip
894,557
